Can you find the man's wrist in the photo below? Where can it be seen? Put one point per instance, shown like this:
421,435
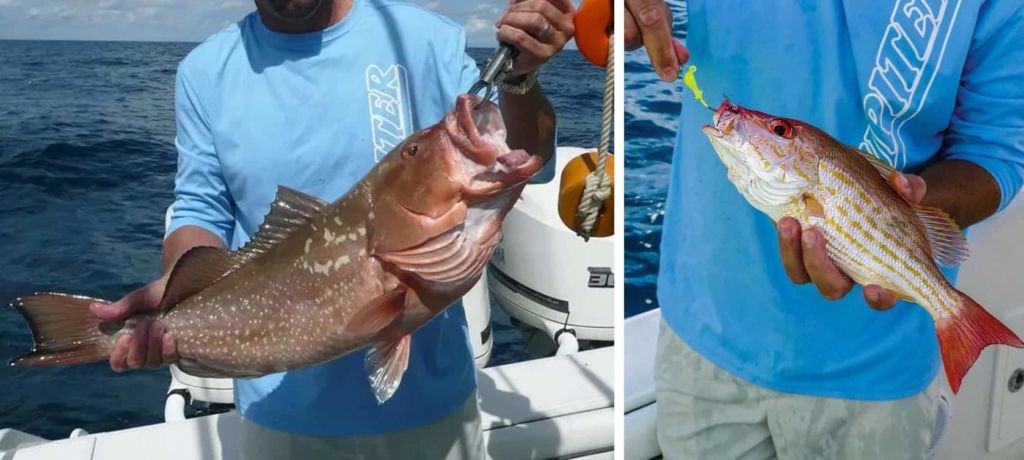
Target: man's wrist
521,84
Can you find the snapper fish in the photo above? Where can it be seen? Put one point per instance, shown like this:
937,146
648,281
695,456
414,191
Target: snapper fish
321,280
787,168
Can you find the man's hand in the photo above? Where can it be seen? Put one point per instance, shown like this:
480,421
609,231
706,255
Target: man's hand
649,23
149,344
539,28
806,259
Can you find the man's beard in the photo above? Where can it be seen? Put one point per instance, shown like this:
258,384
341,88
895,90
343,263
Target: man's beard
292,9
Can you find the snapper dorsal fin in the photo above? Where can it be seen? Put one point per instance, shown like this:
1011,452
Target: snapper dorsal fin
195,270
885,169
290,210
949,247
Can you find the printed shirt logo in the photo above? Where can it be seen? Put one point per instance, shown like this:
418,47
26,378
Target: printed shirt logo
388,92
907,62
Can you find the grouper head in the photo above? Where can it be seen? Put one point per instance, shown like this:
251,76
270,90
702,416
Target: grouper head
443,193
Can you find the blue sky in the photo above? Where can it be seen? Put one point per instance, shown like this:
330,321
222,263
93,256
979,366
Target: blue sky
184,20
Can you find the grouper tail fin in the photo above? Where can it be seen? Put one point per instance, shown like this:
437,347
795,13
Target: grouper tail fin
963,337
64,330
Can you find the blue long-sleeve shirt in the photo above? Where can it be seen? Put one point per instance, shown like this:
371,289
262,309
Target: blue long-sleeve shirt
256,109
911,81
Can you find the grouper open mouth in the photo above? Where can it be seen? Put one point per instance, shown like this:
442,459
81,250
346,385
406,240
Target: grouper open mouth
479,133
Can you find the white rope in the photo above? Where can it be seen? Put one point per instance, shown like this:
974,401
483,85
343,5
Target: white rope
599,185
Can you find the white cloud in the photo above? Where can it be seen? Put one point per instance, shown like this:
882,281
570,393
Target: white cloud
474,25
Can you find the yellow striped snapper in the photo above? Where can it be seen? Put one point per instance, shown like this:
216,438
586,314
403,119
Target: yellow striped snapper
787,168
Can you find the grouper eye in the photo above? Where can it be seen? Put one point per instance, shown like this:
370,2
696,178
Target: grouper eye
782,128
410,151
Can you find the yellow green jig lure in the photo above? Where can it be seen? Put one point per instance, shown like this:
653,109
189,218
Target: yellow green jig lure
690,80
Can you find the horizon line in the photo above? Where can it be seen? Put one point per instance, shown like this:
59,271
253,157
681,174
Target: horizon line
125,40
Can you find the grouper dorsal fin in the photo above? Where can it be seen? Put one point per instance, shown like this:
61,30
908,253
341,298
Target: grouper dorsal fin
195,270
290,210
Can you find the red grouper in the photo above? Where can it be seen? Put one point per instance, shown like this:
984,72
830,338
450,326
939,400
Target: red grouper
321,280
787,168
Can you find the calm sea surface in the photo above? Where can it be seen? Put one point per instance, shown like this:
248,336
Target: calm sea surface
87,166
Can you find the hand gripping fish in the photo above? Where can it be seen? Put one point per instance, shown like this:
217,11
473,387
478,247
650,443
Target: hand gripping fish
786,168
319,280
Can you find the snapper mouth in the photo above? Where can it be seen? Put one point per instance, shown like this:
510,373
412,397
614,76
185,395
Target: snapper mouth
479,134
723,119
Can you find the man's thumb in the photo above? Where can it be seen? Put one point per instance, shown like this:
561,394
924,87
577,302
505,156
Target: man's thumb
123,308
910,186
111,311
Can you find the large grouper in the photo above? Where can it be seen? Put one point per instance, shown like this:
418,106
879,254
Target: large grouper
321,280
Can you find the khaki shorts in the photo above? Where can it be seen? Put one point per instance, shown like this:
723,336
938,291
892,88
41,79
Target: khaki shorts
705,412
457,436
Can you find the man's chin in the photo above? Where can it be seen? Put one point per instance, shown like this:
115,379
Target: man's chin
293,10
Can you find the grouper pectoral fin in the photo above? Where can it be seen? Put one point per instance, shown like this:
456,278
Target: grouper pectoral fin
197,269
290,210
385,365
378,313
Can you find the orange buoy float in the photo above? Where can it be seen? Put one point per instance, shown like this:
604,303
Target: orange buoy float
574,180
593,23
586,198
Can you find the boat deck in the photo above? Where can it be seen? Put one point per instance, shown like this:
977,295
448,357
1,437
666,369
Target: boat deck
569,412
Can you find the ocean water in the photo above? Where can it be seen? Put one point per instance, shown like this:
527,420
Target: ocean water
87,164
651,115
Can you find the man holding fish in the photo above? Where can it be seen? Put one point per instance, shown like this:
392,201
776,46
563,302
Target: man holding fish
309,95
762,359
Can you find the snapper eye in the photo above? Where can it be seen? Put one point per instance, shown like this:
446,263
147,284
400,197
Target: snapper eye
781,128
410,151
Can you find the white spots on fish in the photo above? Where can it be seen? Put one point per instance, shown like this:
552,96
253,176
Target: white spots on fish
352,236
362,231
343,260
323,268
337,221
328,236
309,241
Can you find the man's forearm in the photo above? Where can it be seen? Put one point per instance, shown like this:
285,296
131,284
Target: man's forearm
966,191
185,238
530,122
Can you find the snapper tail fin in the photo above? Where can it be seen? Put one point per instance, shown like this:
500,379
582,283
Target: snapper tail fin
966,334
64,331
